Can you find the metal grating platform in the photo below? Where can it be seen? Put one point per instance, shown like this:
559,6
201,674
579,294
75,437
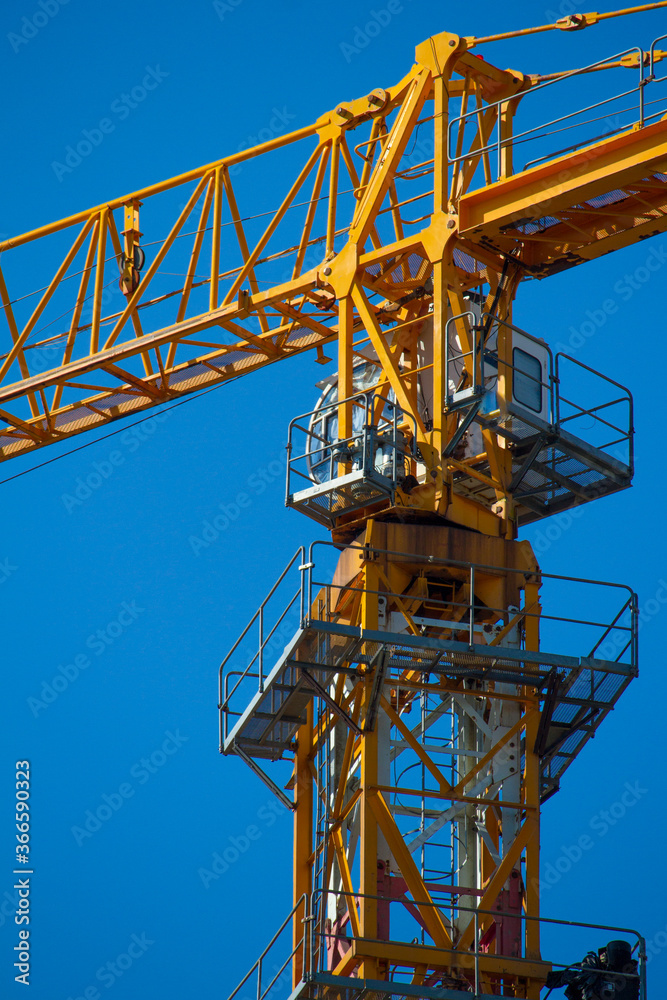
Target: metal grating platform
551,471
578,692
326,502
323,985
328,476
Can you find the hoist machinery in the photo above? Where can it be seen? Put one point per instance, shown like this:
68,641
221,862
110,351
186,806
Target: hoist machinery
415,688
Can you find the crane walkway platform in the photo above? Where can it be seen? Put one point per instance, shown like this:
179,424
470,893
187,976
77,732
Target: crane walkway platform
552,470
578,692
576,207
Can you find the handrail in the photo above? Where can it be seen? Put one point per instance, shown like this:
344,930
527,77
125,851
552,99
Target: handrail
652,76
366,399
471,606
501,143
470,626
304,899
435,561
309,583
300,552
476,912
631,600
628,604
552,385
619,385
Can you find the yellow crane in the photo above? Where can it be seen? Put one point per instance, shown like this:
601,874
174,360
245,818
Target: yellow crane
439,683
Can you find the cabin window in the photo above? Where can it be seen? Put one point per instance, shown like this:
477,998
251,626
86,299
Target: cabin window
527,380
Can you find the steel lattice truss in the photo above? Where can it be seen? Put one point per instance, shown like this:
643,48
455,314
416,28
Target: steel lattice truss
373,232
411,704
377,199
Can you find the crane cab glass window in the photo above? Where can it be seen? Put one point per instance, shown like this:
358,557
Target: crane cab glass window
323,429
527,381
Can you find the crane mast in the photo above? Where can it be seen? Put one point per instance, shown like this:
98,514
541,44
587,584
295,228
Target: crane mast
437,682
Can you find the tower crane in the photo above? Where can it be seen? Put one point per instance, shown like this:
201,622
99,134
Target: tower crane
439,682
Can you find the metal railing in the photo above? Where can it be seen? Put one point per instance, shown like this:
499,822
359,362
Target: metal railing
316,934
609,631
628,58
560,410
451,910
652,77
304,945
266,641
594,413
621,621
377,445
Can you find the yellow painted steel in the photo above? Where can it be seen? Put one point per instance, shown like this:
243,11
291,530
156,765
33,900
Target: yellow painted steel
462,238
397,577
570,22
372,281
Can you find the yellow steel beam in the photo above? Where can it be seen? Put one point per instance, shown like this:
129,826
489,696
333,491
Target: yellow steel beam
564,182
378,186
415,745
570,22
429,912
159,188
303,838
346,878
407,955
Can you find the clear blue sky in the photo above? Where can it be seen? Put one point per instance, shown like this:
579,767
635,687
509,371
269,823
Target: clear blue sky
120,562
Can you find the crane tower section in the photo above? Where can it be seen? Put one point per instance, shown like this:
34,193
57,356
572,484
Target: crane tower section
436,682
428,702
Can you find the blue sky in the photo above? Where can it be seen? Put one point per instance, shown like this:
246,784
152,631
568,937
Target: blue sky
102,585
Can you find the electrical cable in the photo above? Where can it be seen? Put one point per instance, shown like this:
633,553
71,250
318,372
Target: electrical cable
120,430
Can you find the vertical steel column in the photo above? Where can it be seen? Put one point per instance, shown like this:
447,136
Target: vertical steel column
369,780
303,838
345,370
532,782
